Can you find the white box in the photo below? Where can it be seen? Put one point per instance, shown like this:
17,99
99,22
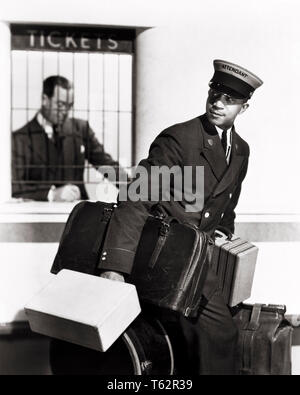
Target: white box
83,309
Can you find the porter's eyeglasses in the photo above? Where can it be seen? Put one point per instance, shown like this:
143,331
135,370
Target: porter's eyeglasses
214,95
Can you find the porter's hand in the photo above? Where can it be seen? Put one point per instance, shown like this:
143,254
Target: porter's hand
112,276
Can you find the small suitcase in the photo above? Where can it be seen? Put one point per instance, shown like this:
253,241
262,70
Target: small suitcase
234,260
83,236
265,339
170,265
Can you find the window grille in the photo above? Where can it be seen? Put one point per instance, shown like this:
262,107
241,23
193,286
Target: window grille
100,68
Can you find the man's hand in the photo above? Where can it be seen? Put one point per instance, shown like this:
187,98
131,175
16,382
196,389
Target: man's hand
66,193
113,276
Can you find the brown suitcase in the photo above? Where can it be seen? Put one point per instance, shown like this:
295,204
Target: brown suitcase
265,339
170,265
83,236
234,260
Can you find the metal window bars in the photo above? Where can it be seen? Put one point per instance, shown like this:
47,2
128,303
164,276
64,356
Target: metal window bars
102,84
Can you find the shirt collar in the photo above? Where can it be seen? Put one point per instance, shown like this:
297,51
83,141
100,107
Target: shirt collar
46,125
220,131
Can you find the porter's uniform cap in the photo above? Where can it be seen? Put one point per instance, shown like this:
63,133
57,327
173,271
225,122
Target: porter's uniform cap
234,80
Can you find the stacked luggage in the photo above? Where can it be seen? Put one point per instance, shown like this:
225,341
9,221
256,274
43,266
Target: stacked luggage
265,336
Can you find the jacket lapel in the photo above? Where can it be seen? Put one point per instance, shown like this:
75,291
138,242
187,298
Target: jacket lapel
212,149
236,162
37,143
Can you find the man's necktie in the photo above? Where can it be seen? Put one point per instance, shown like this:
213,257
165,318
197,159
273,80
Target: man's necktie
57,141
224,141
55,137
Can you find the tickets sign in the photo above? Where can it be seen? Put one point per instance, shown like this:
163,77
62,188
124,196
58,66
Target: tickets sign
70,39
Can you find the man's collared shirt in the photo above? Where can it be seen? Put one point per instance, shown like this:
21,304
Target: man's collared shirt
229,140
46,125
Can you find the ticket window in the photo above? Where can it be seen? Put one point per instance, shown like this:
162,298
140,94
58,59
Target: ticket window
99,63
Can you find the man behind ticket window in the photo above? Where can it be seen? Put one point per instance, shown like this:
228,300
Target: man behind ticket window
50,151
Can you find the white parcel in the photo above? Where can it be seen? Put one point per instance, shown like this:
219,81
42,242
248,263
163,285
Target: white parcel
83,309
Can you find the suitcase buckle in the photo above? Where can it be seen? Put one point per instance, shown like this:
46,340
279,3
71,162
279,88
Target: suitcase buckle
164,229
187,311
107,212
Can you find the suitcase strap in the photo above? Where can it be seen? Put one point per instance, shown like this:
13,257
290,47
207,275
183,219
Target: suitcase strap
248,338
163,233
107,213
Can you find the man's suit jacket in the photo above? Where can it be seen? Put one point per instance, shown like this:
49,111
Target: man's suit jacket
192,143
37,163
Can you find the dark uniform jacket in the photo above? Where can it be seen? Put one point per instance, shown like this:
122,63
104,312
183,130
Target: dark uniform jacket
192,143
38,163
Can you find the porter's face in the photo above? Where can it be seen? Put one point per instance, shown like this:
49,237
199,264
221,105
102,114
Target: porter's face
222,109
55,109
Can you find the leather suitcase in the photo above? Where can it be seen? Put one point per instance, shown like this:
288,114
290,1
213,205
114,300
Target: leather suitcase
234,260
83,309
170,265
83,236
265,339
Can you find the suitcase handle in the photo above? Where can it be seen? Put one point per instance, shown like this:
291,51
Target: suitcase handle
158,211
224,230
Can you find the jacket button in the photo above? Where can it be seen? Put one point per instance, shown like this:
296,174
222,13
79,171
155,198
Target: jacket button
104,253
103,258
230,195
207,214
222,215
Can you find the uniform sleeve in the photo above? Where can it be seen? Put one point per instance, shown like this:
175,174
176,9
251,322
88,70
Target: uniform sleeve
229,214
129,217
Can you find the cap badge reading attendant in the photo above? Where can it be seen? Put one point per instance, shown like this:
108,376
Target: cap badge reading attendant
234,80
